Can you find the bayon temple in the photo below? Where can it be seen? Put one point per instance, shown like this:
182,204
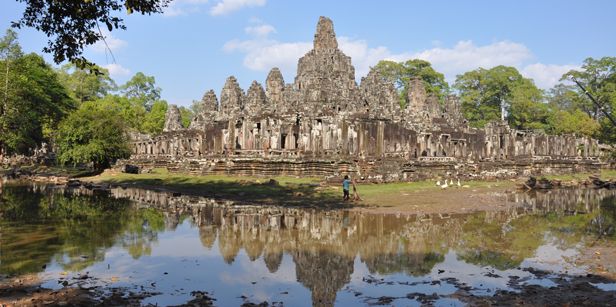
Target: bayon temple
324,124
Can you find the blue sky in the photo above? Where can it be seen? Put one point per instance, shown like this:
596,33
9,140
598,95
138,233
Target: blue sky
197,44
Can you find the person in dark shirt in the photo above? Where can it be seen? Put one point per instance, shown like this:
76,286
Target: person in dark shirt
346,184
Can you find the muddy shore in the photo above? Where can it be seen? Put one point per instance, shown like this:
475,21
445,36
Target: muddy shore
565,291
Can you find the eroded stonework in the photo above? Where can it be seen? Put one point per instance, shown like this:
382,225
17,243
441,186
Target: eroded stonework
325,124
173,119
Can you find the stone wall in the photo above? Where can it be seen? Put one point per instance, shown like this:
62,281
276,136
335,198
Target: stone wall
324,124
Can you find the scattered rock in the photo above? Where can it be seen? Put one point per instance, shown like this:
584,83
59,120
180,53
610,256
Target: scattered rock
130,169
273,182
73,183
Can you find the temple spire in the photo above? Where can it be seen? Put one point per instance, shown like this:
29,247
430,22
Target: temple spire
325,37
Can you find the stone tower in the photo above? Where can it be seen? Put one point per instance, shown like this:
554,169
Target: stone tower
274,90
379,97
210,102
231,98
325,75
173,120
422,106
255,99
416,96
453,111
209,108
325,38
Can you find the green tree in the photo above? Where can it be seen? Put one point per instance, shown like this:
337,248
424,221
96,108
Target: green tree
143,89
484,91
576,121
73,25
196,107
565,97
130,110
154,120
33,100
599,78
10,50
186,114
569,113
95,133
527,109
84,86
400,74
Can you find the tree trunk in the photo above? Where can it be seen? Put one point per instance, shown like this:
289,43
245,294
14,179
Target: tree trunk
6,89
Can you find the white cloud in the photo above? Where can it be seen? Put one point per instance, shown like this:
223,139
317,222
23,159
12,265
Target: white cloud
183,7
546,76
227,6
117,70
364,57
262,53
465,56
260,30
113,43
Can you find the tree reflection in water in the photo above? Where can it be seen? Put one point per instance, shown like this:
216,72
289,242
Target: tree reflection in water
39,226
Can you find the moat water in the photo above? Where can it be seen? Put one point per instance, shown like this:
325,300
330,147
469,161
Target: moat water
170,246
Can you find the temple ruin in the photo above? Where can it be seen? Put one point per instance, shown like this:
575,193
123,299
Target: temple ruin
325,124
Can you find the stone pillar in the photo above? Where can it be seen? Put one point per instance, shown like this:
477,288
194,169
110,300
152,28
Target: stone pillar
380,139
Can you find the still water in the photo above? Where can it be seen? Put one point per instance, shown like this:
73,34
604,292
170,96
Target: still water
173,245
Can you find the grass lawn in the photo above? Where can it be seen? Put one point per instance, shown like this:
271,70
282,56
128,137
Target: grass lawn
376,193
59,171
164,174
605,174
288,190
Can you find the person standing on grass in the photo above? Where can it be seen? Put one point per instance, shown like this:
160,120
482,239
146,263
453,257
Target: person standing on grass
346,184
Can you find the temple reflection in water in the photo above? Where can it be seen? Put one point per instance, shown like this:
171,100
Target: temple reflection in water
324,243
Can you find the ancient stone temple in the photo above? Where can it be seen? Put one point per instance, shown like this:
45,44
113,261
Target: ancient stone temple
325,124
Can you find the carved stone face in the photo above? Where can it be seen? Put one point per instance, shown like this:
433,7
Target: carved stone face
173,119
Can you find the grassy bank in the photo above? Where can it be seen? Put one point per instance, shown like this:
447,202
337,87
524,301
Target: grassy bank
605,174
390,193
294,190
57,171
287,190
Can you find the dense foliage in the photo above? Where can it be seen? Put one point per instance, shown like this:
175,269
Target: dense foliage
85,117
143,89
93,133
33,99
486,93
98,131
399,73
599,78
84,86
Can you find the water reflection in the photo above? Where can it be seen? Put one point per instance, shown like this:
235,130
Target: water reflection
75,229
38,226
